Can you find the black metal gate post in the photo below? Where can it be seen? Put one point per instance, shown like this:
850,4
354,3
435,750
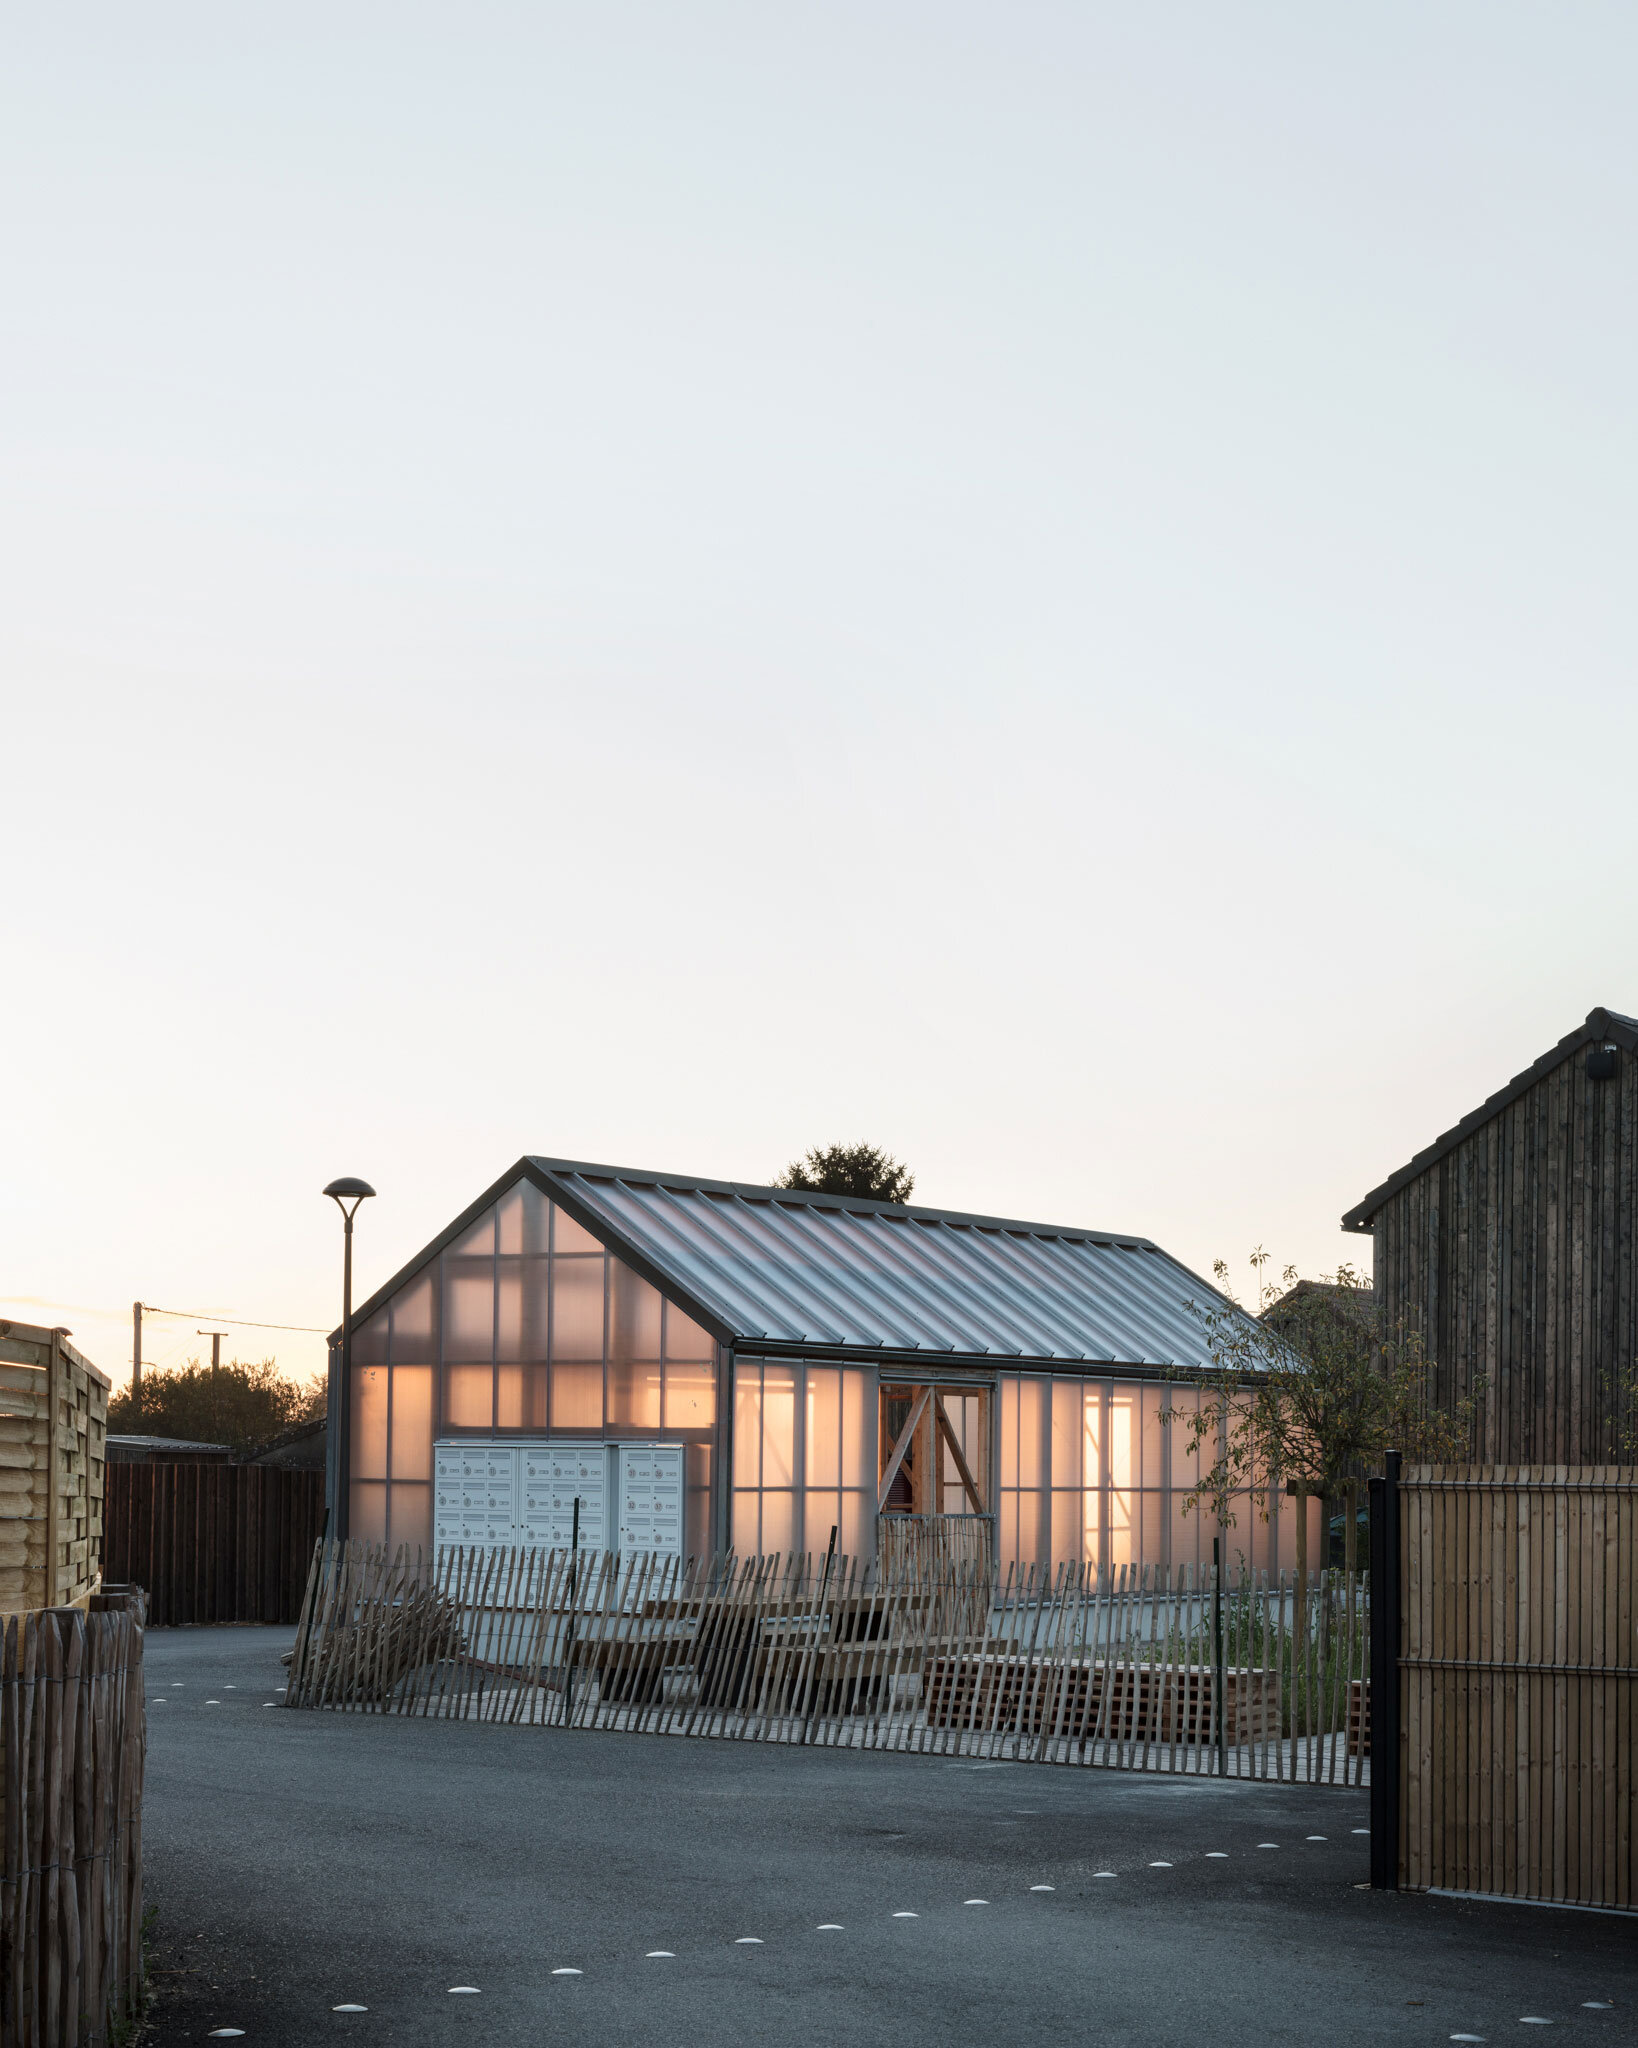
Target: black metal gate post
1219,1671
1385,1641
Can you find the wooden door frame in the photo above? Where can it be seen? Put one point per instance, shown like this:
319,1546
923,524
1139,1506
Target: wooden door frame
927,1423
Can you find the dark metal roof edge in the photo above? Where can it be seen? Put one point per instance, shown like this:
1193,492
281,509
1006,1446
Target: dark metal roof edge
538,1172
1600,1024
753,1191
922,1363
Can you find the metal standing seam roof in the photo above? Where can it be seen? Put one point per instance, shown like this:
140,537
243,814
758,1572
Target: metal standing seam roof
774,1266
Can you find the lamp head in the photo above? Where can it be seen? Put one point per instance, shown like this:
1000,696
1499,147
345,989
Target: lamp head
347,1190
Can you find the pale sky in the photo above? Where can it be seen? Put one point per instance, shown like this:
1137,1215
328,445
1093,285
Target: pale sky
1049,586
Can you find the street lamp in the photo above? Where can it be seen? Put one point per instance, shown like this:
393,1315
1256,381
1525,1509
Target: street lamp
344,1192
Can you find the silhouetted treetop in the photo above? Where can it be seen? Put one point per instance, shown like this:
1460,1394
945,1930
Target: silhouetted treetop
862,1170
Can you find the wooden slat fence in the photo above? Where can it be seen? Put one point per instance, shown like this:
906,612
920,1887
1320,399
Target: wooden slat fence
1518,1670
1137,1669
72,1740
53,1431
213,1543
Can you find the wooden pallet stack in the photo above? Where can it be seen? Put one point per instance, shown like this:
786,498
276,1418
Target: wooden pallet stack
1089,1699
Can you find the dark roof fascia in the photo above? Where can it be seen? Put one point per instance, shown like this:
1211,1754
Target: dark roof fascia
922,1364
752,1191
1601,1026
606,1232
539,1172
164,1443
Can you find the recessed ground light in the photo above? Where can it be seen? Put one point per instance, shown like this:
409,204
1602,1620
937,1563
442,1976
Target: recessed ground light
1103,1873
1216,1855
568,1973
1467,2037
1316,1838
830,1927
1533,2019
748,1941
1160,1866
349,2008
906,1916
1599,2004
669,1954
223,2033
462,1990
1268,1845
1043,1887
1361,1831
975,1902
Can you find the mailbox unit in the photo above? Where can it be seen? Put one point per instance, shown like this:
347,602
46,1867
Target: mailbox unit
500,1494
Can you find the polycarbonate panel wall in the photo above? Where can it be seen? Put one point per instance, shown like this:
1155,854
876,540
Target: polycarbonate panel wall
525,1325
804,1458
1090,1474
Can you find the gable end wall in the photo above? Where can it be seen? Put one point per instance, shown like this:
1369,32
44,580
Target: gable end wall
1514,1255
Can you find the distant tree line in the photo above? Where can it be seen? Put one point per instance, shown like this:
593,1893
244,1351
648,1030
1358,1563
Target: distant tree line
239,1404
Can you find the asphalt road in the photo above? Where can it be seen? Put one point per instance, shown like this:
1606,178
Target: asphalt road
300,1861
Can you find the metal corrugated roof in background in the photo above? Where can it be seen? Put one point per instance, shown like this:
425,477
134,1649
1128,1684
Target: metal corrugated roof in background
780,1267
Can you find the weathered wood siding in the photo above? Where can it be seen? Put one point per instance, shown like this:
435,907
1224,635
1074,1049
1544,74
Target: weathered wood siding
1514,1255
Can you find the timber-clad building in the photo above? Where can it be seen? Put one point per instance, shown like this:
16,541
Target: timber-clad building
1510,1244
650,1361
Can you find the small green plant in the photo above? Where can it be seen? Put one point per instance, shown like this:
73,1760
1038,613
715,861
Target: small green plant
1313,1388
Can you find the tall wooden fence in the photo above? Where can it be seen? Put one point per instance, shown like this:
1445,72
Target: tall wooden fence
1137,1669
71,1761
1517,1676
213,1542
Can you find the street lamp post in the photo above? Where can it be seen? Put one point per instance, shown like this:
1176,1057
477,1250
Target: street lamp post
344,1192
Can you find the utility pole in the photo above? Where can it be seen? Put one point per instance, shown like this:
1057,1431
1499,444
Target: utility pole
215,1337
136,1355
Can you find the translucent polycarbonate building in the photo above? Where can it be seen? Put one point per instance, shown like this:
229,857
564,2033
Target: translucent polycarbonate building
647,1361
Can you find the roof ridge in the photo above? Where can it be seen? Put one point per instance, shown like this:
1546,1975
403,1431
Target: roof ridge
819,1198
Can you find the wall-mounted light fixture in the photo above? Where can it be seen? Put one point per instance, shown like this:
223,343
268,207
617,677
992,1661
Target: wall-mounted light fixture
1603,1063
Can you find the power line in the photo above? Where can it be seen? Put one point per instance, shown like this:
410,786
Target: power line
194,1315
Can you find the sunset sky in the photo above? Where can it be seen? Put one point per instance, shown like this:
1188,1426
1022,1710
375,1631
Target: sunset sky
1048,586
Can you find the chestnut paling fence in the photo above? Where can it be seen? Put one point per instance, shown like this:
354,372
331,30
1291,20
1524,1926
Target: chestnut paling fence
1138,1669
72,1742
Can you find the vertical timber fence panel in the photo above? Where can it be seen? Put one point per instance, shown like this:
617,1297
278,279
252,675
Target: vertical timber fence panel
1136,1669
1517,1666
72,1746
213,1543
